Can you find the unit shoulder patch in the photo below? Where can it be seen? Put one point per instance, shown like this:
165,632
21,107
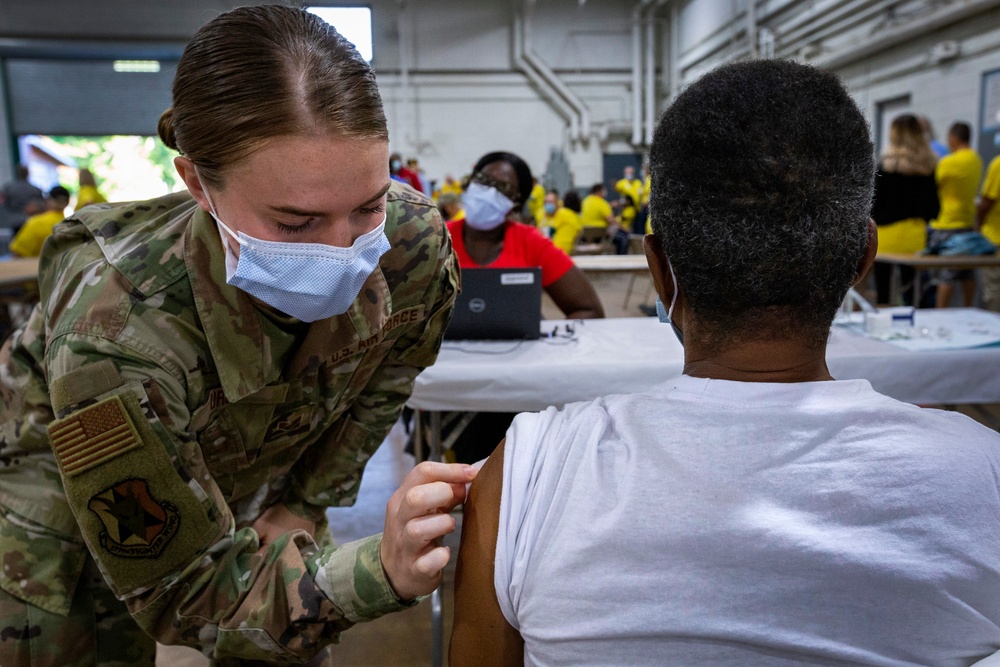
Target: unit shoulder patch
136,525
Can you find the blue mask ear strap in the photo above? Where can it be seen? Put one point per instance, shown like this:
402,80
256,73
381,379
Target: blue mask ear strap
673,297
661,312
664,314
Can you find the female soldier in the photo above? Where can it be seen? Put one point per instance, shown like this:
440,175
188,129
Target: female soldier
208,371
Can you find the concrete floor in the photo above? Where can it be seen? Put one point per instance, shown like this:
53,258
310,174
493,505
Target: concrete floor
404,639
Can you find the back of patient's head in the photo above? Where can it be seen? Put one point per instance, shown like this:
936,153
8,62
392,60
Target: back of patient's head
762,178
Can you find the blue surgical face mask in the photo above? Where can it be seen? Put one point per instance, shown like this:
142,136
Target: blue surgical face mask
309,281
485,207
395,165
665,315
550,208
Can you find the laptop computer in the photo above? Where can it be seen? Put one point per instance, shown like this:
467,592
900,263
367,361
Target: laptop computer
498,304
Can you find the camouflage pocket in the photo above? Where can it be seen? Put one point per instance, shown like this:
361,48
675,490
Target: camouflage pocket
39,566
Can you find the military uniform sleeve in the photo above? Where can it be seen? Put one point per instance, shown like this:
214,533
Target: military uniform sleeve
157,526
330,473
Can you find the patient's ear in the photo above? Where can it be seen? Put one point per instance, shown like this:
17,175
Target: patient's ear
659,269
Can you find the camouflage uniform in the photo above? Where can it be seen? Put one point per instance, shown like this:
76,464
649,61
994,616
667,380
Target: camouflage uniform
151,412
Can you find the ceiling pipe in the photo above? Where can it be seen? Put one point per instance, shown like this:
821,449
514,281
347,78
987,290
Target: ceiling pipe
675,50
637,13
521,63
752,27
805,17
895,36
671,49
650,94
722,38
542,68
411,131
853,13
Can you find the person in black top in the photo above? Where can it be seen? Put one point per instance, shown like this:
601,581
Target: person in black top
905,200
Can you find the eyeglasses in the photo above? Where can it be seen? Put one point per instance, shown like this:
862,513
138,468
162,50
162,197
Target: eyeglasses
508,190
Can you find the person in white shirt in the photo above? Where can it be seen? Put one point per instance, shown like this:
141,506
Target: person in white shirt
753,511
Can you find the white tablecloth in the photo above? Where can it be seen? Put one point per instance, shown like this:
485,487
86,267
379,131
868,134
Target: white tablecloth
632,354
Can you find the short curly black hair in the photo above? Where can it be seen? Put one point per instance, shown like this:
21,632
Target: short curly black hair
762,176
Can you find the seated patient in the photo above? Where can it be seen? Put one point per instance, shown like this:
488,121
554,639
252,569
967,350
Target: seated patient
753,511
489,236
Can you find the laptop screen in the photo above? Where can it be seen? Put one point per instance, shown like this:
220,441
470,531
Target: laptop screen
498,304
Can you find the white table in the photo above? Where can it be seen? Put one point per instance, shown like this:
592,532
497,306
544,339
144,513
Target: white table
633,354
611,263
919,262
17,271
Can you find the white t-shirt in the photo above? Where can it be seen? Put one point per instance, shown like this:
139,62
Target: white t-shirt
728,523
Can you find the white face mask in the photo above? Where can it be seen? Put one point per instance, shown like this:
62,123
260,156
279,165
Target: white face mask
309,281
485,207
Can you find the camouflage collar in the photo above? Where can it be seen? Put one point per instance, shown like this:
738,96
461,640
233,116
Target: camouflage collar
142,239
249,351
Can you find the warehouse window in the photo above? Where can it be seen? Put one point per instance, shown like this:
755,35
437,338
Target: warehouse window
354,23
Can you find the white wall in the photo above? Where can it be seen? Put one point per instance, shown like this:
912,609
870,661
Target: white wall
944,92
835,33
463,96
452,92
445,68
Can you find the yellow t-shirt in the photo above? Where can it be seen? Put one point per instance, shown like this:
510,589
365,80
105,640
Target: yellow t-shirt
37,228
536,202
88,195
646,186
958,177
991,189
595,211
567,226
544,223
633,189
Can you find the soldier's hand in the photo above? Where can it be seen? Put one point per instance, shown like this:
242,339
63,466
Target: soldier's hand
278,520
416,518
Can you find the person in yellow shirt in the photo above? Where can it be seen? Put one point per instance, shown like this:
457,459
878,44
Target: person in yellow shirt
536,200
546,223
595,211
88,191
957,175
28,241
631,190
648,226
566,223
988,222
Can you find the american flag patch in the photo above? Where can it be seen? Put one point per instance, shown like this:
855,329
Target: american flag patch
92,436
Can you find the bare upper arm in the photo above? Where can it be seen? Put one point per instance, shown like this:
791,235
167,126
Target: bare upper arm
481,635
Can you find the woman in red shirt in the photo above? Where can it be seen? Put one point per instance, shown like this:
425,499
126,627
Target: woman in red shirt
489,237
